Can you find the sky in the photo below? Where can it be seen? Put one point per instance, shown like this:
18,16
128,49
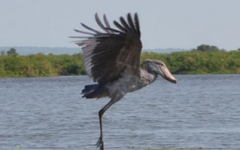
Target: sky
164,23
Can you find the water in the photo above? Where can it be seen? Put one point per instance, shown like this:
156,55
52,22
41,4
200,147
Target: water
49,114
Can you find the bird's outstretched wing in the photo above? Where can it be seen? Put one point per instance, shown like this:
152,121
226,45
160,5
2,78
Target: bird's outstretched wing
107,54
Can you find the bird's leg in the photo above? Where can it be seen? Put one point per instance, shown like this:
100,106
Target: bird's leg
100,142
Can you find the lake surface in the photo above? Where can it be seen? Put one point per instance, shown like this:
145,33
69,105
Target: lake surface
49,114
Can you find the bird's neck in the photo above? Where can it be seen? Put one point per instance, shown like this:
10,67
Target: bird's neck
153,76
148,76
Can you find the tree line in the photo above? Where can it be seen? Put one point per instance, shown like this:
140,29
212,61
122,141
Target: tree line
205,59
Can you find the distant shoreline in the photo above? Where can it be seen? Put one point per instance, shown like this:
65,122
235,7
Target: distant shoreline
186,62
31,50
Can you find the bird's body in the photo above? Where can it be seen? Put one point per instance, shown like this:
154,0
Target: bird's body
128,82
112,59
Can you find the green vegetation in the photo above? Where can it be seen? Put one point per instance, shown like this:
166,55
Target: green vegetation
19,147
203,60
196,62
40,65
207,48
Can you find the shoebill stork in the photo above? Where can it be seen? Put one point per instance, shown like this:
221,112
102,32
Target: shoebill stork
112,58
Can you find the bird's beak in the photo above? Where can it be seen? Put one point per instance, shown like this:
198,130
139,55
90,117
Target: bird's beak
166,74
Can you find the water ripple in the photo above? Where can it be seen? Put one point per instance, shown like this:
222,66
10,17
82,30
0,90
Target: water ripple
49,113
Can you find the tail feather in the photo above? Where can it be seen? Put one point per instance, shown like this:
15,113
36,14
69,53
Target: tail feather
89,88
94,91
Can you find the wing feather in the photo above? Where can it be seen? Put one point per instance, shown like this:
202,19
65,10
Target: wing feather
130,21
100,23
83,32
125,24
137,23
85,26
108,54
106,23
120,26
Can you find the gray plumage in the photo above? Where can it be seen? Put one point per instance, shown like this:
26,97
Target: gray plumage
112,58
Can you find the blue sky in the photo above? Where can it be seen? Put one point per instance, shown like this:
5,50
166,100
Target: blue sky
164,23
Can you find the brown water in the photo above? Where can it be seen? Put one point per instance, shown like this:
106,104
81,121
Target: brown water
49,114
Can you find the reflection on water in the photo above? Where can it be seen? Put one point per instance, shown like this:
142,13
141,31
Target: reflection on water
49,114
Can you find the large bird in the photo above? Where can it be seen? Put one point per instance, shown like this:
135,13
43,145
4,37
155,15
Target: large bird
112,58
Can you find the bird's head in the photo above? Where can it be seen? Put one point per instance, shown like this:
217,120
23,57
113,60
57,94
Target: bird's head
159,67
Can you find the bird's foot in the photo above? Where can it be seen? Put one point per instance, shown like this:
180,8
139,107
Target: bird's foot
100,143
